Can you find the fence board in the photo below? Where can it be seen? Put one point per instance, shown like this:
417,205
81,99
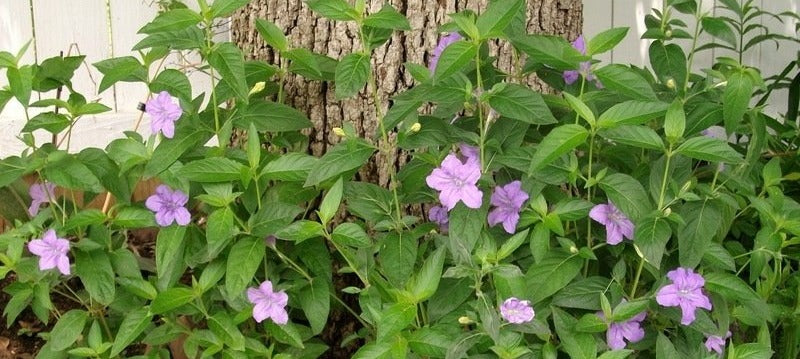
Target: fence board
16,29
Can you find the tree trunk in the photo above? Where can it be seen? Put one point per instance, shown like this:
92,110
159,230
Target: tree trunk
316,99
308,30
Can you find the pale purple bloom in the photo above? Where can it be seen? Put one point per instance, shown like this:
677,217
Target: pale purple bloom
617,224
444,42
169,206
470,153
438,215
717,343
163,112
685,291
52,252
508,201
630,330
456,181
585,67
270,240
40,193
516,311
268,303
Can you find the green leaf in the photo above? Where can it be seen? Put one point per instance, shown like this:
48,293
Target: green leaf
223,8
169,254
68,329
49,121
368,201
627,194
397,256
272,34
170,299
315,301
709,149
454,58
174,82
427,279
718,28
272,117
286,334
752,351
243,262
214,169
189,38
675,121
172,20
625,81
330,204
300,231
553,51
730,287
465,230
91,108
627,310
227,59
559,141
125,69
220,230
344,157
168,152
522,104
351,234
394,319
138,286
334,9
497,16
127,153
304,63
577,345
552,274
512,244
20,82
736,99
66,171
271,218
95,271
669,62
582,293
631,113
11,169
590,323
224,328
85,218
578,106
293,166
606,40
351,74
637,136
388,18
664,348
703,219
651,237
616,354
134,323
134,217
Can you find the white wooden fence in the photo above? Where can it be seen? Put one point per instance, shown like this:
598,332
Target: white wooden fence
101,29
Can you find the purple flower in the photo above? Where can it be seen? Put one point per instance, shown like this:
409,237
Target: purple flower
444,42
508,201
438,215
164,113
630,330
268,304
470,153
516,311
456,181
270,240
585,67
685,291
617,224
52,252
169,206
717,343
41,193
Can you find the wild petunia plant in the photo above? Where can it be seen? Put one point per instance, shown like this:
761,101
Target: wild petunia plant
614,220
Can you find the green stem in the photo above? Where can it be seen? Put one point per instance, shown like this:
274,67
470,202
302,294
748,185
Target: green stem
353,312
282,80
694,46
636,278
589,198
664,179
346,257
481,118
292,264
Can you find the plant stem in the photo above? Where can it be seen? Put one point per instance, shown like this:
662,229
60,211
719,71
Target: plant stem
636,278
664,179
481,118
291,263
694,46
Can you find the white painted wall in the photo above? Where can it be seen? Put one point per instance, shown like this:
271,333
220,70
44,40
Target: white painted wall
103,28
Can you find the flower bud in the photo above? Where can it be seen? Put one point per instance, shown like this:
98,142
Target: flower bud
668,34
671,84
416,127
258,87
339,132
667,211
573,249
465,320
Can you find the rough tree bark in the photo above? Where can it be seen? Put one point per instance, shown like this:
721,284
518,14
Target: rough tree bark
305,29
318,101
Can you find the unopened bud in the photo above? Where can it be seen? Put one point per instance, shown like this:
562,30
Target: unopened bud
668,34
465,320
258,87
416,127
671,84
339,132
573,249
667,211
